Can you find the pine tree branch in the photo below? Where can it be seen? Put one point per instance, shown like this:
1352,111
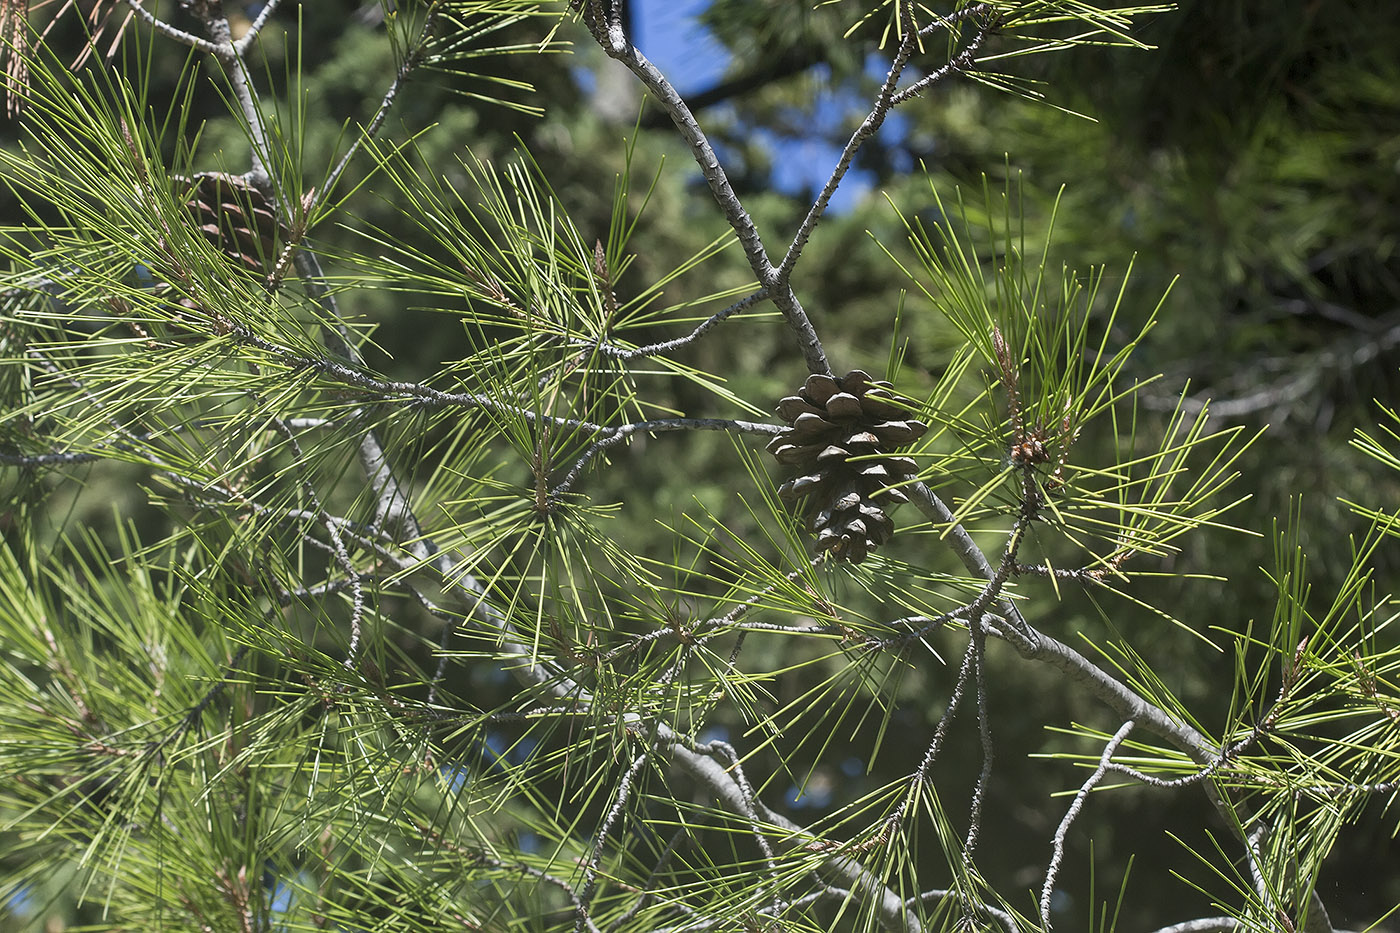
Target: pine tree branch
1007,921
1117,696
891,912
972,557
396,537
617,435
1134,708
959,62
1033,644
393,507
1052,872
667,346
411,61
1204,925
868,128
269,7
610,36
175,33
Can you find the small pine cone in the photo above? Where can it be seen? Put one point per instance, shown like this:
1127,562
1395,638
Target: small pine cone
235,217
831,422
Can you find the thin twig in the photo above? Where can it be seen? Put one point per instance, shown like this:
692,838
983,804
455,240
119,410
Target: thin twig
667,346
1052,873
660,88
957,63
1007,921
725,752
978,649
646,893
411,392
240,47
482,859
946,21
172,32
940,732
342,555
868,128
600,840
410,63
55,458
664,425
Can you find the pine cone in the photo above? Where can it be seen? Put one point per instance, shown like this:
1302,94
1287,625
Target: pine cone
832,421
235,217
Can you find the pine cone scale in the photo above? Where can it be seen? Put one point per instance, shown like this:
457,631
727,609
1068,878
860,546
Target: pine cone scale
844,405
795,405
818,388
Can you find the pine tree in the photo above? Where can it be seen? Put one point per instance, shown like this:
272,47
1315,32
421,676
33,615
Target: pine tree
297,637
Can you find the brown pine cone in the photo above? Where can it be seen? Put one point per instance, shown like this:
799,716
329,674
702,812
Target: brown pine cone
235,217
831,421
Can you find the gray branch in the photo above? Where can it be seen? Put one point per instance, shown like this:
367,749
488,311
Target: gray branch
616,45
890,910
667,346
1057,855
620,434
